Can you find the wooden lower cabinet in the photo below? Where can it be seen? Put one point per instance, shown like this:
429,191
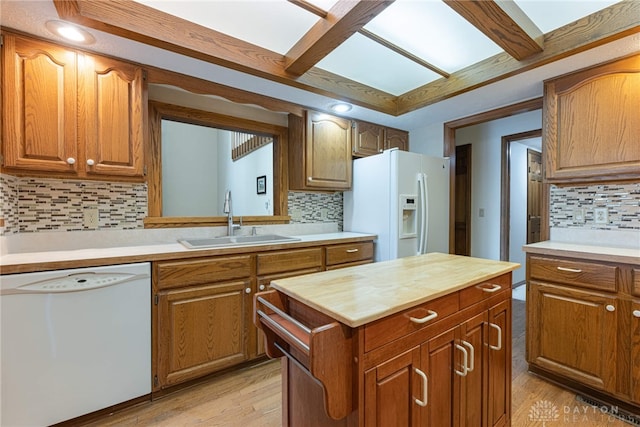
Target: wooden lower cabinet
635,351
202,329
576,334
583,327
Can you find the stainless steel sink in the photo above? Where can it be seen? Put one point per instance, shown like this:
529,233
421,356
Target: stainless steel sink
235,241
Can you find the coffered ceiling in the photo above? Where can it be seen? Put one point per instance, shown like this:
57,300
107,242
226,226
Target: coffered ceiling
389,57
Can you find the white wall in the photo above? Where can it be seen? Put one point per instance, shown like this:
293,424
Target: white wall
486,139
428,140
518,208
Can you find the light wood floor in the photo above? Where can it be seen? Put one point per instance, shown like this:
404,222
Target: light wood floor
251,397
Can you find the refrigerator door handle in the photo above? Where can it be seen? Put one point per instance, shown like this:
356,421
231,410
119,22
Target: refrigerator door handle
424,214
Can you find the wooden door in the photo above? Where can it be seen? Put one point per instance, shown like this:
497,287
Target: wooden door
368,138
575,333
635,351
391,390
439,359
111,116
328,151
40,111
473,394
463,200
534,196
201,329
499,365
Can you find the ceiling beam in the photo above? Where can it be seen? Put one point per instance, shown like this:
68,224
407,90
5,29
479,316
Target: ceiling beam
612,23
504,23
344,19
135,21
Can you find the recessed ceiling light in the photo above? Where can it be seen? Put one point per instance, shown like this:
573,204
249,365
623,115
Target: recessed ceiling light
70,32
340,107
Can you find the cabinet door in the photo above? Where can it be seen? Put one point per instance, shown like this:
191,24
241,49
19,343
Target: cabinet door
439,360
473,395
328,152
368,139
393,391
201,329
574,333
635,351
395,138
40,109
112,111
499,361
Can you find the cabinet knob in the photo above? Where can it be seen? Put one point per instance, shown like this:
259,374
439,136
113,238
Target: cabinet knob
71,161
90,162
262,287
636,313
310,178
610,307
247,291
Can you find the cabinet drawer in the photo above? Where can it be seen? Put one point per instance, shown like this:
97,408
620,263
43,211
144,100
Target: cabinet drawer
351,252
578,273
636,282
485,290
295,259
171,274
400,324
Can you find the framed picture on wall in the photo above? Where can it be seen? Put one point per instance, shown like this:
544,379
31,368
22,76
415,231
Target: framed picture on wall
261,184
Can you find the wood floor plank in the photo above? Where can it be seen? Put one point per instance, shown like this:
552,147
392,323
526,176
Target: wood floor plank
251,397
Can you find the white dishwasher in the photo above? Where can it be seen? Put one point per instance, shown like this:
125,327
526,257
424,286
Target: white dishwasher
73,342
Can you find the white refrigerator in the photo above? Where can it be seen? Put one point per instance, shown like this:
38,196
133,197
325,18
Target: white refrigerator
402,197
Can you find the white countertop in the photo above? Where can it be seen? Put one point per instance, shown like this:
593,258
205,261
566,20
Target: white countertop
29,261
627,255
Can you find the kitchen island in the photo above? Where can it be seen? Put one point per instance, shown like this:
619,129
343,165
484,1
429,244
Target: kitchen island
423,340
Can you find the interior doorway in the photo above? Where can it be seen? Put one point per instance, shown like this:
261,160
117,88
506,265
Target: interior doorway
463,200
521,196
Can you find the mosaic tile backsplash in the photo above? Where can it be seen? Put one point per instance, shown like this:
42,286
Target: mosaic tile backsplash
37,204
622,202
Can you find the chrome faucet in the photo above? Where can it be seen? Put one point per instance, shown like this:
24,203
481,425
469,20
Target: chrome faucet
227,208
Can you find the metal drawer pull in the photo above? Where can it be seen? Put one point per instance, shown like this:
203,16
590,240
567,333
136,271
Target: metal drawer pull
283,314
610,307
499,329
570,270
283,330
465,361
472,354
493,288
636,313
432,315
350,251
425,388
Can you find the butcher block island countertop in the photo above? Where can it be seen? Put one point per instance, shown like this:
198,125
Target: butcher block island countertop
362,294
422,340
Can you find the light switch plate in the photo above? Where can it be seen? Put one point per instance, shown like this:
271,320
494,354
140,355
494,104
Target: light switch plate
90,217
601,215
578,215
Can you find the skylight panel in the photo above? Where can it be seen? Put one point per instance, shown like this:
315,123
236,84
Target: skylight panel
434,32
549,15
372,64
272,24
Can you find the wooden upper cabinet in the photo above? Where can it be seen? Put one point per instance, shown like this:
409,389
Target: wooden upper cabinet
68,113
319,152
368,138
39,106
396,138
591,123
111,116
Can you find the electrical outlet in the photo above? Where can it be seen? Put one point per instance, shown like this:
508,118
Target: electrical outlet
90,217
601,215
